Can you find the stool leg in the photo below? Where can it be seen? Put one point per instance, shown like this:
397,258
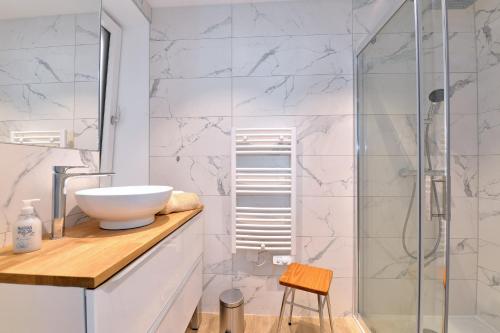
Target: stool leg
329,311
320,309
291,307
283,302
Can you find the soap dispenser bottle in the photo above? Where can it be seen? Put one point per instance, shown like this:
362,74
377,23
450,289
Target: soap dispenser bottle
27,230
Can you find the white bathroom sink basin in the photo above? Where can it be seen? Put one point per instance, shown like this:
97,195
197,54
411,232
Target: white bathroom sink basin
123,207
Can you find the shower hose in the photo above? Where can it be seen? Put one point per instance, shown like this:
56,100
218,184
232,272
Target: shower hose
434,197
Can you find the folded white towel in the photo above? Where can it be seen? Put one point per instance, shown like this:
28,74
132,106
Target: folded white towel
181,201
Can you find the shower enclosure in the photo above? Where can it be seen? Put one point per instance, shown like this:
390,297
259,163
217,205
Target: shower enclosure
428,169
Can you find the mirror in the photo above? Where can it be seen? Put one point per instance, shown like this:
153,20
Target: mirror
49,73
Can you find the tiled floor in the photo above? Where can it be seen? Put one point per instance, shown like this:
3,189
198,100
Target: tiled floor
265,324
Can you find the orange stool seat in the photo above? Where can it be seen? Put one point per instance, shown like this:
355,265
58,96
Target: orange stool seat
307,278
310,279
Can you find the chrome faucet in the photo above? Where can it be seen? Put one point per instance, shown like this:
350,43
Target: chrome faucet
60,177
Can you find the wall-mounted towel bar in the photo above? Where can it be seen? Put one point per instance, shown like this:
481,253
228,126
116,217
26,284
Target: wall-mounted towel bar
55,138
263,189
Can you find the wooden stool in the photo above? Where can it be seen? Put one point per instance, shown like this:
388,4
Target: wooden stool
311,279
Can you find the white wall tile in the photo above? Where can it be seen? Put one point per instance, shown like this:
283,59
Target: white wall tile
340,299
459,20
86,100
190,97
489,181
488,97
463,93
292,55
381,175
333,253
463,259
489,132
325,216
325,175
190,58
488,305
385,216
391,53
489,278
388,94
205,175
43,31
213,286
462,297
50,100
341,296
88,28
197,22
487,33
217,254
464,217
379,297
368,14
489,220
387,259
262,294
87,63
292,18
86,133
190,136
488,255
390,135
39,65
217,212
463,133
462,48
292,95
13,102
464,176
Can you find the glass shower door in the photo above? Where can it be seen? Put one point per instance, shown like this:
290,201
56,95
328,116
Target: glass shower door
433,83
387,113
402,165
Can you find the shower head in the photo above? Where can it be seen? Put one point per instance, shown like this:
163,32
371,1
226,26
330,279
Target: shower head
453,4
437,96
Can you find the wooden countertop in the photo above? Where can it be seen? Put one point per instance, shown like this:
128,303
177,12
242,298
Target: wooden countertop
87,255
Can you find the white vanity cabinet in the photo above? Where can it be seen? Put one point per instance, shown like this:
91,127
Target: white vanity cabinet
157,292
141,295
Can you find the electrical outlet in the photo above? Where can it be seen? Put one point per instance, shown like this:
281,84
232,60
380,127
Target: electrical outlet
282,260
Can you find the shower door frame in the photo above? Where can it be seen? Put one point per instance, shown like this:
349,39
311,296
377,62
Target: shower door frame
420,168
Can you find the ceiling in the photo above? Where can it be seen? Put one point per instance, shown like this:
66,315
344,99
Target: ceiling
178,3
10,9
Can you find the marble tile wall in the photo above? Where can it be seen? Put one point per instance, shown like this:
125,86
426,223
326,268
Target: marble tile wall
258,64
487,32
464,163
49,76
27,174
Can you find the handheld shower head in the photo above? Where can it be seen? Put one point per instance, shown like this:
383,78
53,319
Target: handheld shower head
437,96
